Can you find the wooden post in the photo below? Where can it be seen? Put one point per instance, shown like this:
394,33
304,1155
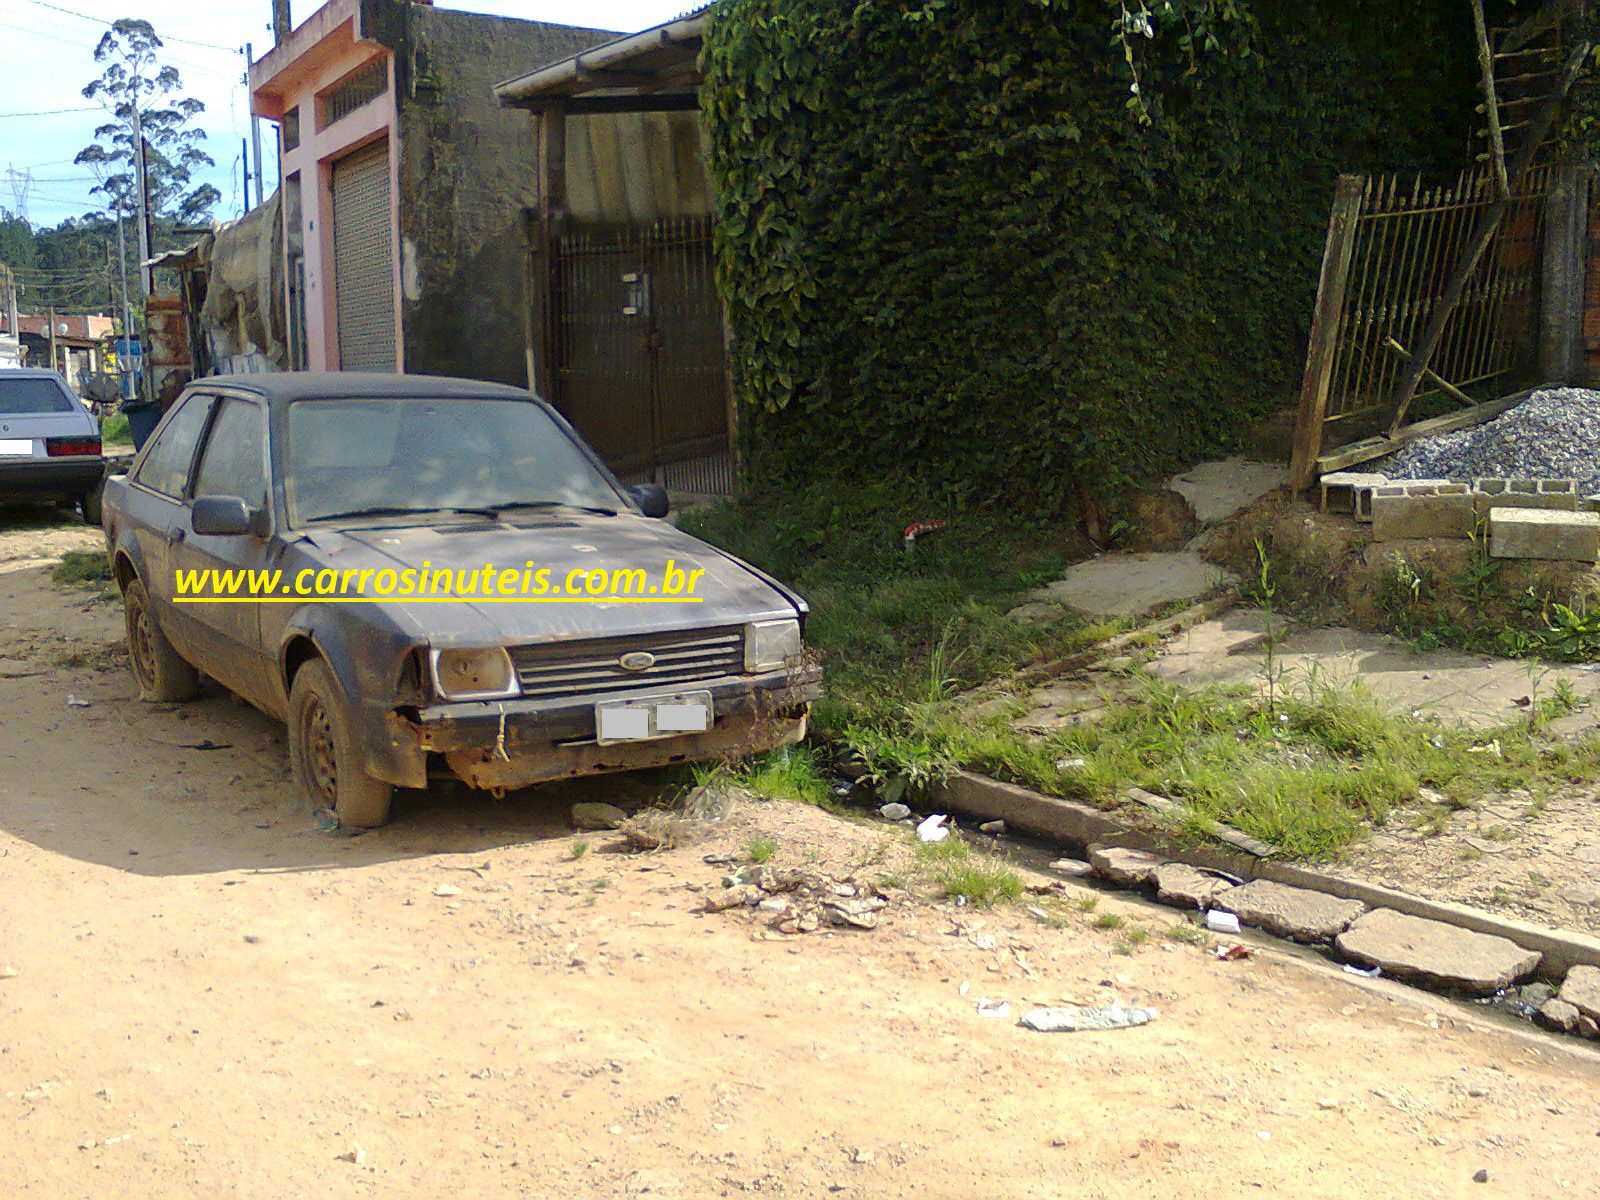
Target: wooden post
52,331
1565,266
1491,101
1326,321
1482,234
542,228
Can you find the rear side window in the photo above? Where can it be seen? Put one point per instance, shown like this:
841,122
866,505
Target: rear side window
29,397
166,462
235,455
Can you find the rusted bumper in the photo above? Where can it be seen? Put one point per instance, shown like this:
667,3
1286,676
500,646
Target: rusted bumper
517,743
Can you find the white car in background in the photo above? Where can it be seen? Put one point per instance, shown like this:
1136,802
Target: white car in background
49,443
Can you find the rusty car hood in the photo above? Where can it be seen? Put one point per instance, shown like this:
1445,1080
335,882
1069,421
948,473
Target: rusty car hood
731,592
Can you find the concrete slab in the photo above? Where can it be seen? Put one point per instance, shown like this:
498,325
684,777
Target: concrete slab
1127,585
1581,989
1217,490
1411,948
1187,887
1131,868
1473,689
1294,913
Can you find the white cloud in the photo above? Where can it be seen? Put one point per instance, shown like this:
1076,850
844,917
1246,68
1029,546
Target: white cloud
50,58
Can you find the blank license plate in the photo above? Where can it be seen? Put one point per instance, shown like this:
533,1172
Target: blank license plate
10,447
652,717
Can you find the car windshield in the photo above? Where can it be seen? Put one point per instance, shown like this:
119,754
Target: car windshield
381,457
29,396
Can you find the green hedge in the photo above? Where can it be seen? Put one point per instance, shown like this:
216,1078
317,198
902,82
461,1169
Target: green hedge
958,248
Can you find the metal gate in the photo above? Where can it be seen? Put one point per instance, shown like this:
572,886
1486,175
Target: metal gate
363,256
633,352
1392,245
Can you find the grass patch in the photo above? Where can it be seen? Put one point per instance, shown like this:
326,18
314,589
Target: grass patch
788,773
956,870
1310,771
87,569
897,627
761,848
577,850
1108,921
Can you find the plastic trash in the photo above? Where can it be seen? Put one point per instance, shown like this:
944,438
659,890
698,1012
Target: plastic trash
994,1008
1072,1019
1222,922
75,702
1233,953
1364,972
933,829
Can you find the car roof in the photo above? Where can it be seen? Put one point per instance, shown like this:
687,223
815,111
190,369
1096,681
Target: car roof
284,387
32,373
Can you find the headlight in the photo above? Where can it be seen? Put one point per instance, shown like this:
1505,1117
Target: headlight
770,645
474,674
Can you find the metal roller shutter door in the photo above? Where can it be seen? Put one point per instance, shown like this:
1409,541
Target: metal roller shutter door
363,252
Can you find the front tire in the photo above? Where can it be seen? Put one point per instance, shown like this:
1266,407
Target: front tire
162,675
324,755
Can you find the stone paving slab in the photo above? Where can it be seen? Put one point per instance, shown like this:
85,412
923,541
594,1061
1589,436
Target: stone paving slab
1430,952
1474,689
1186,886
1133,868
1127,585
1295,913
1582,990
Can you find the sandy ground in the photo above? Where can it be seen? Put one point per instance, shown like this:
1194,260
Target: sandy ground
206,996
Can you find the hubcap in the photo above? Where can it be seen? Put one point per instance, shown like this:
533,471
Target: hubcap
321,760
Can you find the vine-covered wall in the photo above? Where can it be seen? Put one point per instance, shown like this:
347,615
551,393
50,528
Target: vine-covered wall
1014,248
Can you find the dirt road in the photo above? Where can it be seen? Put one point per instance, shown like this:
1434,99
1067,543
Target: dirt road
207,996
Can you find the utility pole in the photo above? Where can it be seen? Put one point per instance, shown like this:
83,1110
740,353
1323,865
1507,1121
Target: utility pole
128,391
255,129
141,189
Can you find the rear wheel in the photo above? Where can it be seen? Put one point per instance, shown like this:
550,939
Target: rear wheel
324,755
158,669
89,502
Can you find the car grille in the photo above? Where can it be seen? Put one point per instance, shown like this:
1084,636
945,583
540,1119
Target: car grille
562,670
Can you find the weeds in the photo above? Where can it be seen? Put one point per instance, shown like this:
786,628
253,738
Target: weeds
1187,934
761,848
84,569
1108,921
789,773
577,850
982,880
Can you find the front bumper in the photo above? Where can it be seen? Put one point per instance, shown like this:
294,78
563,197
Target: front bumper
507,744
49,478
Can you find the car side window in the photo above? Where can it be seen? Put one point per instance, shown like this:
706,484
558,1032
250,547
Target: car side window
233,462
167,460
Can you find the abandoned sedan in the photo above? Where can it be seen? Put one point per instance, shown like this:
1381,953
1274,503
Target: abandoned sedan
425,574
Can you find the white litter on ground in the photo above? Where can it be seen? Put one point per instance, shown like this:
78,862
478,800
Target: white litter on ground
1553,434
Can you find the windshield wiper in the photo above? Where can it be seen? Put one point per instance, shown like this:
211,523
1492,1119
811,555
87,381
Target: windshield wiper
516,504
397,511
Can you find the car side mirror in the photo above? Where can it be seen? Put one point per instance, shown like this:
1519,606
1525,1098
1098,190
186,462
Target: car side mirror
222,516
651,499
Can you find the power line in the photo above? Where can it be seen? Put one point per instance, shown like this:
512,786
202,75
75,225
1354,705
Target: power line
51,112
107,25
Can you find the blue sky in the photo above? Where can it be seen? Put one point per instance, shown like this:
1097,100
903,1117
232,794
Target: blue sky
49,57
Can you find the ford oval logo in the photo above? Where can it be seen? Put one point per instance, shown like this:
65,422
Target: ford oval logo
639,660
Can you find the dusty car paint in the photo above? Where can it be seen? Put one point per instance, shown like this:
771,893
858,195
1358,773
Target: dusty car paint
376,651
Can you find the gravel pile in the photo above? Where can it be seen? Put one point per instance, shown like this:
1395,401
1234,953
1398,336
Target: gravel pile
1553,434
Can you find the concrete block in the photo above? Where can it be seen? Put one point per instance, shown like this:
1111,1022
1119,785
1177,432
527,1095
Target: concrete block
1429,952
1560,495
1540,533
1422,510
1351,491
1590,503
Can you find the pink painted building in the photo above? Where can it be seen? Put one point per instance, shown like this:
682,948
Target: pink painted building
404,185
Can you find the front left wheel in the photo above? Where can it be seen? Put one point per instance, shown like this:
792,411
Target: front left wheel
324,755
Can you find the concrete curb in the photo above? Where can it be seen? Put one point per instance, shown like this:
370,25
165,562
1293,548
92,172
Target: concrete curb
1033,812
